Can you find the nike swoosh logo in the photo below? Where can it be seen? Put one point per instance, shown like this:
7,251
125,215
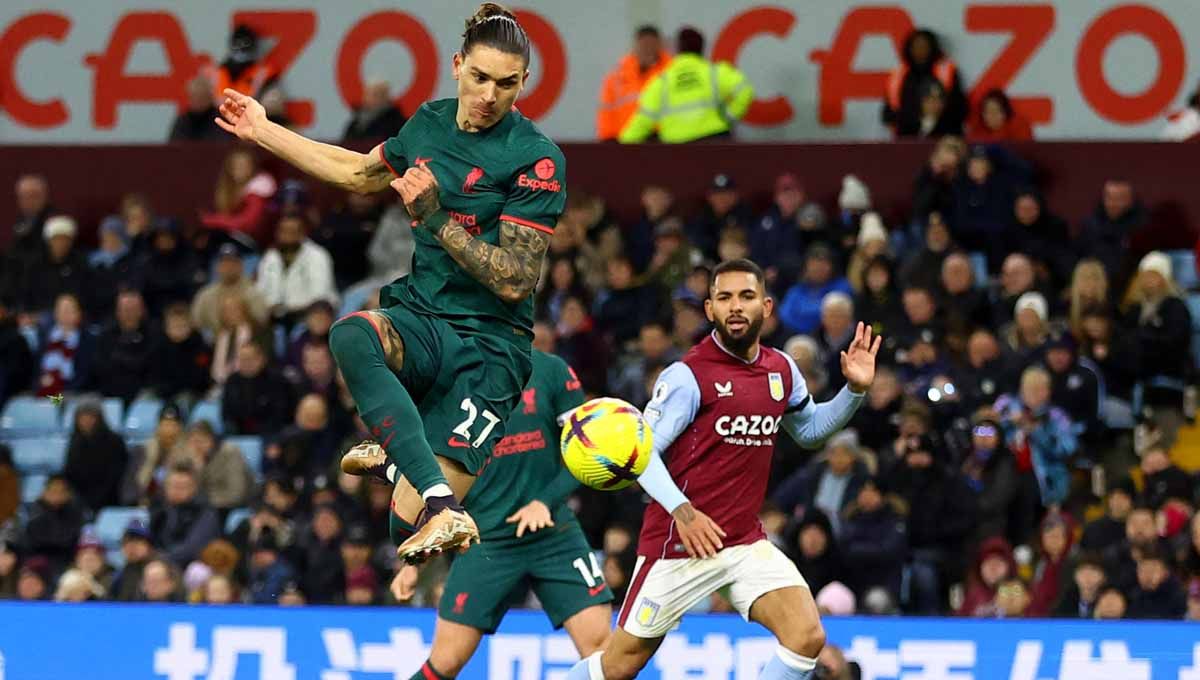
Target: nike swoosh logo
593,592
458,444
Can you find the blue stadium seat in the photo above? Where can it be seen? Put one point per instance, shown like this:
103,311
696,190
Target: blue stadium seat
111,522
210,411
142,418
111,407
1183,268
31,487
39,455
28,416
236,517
980,269
252,451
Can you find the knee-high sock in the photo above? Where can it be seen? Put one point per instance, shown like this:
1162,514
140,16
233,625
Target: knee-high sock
788,665
428,672
587,669
383,402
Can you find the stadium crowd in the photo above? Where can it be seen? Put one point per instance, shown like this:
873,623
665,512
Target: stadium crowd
1014,457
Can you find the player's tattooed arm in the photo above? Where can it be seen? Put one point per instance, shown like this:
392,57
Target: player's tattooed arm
372,173
510,269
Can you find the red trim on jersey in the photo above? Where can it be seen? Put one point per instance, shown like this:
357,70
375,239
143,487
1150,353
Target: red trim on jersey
370,319
635,586
383,157
527,223
428,672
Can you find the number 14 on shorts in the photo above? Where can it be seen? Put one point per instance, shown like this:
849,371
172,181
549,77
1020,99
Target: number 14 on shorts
463,429
594,578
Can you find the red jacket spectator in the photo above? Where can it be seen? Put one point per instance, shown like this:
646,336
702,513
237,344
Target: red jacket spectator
1058,532
242,198
994,120
993,564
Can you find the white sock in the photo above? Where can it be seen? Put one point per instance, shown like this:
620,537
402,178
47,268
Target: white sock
788,665
392,473
437,490
587,669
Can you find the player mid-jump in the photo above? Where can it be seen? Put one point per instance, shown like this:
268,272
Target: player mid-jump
715,416
438,368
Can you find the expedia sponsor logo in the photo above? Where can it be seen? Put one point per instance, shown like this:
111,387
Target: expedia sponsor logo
754,426
539,184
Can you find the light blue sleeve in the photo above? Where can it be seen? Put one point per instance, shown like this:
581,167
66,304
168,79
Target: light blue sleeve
809,423
673,407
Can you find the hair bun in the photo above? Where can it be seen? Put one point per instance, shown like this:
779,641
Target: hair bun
489,10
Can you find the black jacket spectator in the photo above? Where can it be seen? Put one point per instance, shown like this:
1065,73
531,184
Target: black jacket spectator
723,208
842,469
55,521
376,118
815,551
923,268
196,123
323,575
124,350
1043,236
181,522
1164,338
992,475
1075,386
256,399
1107,233
54,272
110,269
16,359
941,510
1158,594
170,271
346,232
96,459
874,542
181,360
624,307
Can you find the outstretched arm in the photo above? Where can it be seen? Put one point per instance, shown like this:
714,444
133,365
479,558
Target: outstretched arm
509,269
809,423
243,116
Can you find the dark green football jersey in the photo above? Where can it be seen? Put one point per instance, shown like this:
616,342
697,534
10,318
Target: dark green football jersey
511,172
526,464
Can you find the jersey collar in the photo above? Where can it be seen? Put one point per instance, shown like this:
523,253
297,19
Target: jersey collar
717,341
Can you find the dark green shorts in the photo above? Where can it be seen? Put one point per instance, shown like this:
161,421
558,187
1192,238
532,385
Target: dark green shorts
464,385
493,576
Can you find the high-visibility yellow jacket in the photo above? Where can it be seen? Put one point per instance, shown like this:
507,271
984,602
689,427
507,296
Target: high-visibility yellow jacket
620,92
691,99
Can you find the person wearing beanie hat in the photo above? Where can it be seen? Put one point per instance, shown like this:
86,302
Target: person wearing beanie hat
1162,324
870,242
854,196
874,541
812,546
112,267
59,267
1027,334
723,208
1075,386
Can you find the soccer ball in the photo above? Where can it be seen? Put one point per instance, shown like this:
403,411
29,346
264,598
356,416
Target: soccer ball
606,444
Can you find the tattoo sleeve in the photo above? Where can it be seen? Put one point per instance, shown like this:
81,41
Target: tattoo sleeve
372,174
509,269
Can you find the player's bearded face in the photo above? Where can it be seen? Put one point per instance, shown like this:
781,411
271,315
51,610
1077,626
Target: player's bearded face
737,306
489,82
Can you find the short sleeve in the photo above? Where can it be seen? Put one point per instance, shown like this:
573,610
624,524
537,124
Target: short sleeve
392,153
568,391
539,192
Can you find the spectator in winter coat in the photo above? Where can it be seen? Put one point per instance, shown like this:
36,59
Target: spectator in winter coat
776,240
125,350
242,200
137,551
829,483
1076,386
224,478
624,306
195,123
96,458
181,360
16,357
322,569
1041,235
22,244
1141,538
58,268
1055,540
1107,233
160,583
1078,599
306,448
1111,604
581,345
983,199
170,271
941,513
1158,594
269,571
295,273
256,399
877,303
874,541
110,268
871,242
1158,317
231,279
990,472
55,520
876,420
1040,435
654,350
923,64
963,303
1162,479
1118,357
800,310
1109,529
1088,290
10,488
377,117
933,189
1017,277
993,564
814,550
921,268
346,232
150,460
723,207
834,334
182,522
993,119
